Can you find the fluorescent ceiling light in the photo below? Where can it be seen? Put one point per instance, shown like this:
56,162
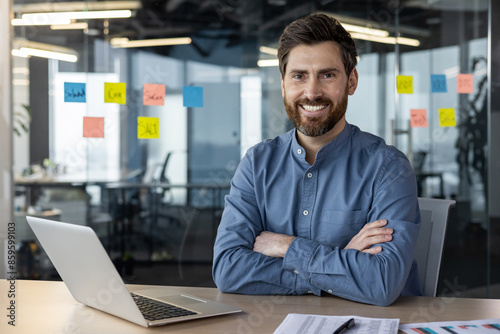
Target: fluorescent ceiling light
41,21
126,43
268,50
83,15
71,26
267,62
76,6
26,52
386,40
365,30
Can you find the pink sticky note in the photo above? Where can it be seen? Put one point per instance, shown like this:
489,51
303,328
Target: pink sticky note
154,95
93,127
418,118
465,84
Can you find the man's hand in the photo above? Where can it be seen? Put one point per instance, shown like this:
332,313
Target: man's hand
371,234
272,244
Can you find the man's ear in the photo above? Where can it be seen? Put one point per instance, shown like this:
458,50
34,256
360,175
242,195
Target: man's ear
353,81
282,88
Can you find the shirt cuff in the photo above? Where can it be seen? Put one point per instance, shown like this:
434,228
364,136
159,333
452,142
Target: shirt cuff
296,260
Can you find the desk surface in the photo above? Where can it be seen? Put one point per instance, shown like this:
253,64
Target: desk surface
47,307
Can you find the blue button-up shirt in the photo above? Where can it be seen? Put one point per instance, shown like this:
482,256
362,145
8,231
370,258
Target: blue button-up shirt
355,179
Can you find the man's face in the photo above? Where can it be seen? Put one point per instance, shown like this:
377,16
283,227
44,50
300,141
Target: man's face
315,88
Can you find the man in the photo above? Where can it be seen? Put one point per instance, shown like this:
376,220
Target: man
324,207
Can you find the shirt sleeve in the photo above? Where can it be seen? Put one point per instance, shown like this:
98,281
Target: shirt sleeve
236,267
375,279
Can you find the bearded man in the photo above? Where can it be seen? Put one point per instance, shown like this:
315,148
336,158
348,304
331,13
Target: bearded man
324,208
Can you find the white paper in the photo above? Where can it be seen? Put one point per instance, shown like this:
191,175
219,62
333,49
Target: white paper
486,326
323,324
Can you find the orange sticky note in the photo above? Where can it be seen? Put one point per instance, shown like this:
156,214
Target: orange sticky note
148,127
447,117
404,84
93,127
154,95
465,83
418,118
115,92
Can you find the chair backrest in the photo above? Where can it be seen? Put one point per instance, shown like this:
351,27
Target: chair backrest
434,215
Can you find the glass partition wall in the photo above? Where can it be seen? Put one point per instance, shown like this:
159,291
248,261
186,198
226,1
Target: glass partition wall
134,122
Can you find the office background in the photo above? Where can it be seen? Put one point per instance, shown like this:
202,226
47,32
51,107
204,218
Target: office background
156,202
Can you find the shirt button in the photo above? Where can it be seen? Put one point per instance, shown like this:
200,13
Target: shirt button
309,175
299,151
296,272
330,291
309,292
305,212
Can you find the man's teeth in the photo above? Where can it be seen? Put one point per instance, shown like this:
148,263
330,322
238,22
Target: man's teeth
313,108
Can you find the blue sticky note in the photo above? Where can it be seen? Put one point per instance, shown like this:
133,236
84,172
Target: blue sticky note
75,92
438,83
192,96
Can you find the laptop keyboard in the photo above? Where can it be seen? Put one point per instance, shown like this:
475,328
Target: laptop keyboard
155,310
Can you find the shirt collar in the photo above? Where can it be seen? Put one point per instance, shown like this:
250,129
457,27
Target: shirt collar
334,145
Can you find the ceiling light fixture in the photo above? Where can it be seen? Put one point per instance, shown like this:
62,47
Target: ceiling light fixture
71,26
386,40
75,6
268,50
66,17
126,43
268,62
26,52
365,30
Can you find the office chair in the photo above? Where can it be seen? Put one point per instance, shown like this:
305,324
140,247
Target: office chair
434,215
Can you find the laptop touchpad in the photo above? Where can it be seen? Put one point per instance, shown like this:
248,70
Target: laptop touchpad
181,300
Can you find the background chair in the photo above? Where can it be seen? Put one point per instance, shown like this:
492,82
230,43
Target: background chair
434,213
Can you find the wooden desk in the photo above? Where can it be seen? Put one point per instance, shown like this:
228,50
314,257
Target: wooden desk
47,307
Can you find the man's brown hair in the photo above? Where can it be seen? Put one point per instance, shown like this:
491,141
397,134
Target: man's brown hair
315,29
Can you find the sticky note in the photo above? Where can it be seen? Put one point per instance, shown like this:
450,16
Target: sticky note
148,127
115,92
418,118
465,83
154,95
438,83
404,84
447,117
192,96
93,127
75,92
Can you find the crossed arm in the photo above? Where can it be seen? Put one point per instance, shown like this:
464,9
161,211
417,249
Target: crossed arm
276,245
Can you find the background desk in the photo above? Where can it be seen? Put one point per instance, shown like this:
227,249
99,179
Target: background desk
48,307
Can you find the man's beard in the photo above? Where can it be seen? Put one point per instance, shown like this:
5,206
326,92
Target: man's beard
316,126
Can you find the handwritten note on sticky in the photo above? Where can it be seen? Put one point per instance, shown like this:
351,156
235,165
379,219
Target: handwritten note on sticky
115,92
154,95
75,92
447,117
418,118
465,83
404,84
148,127
438,83
93,127
192,96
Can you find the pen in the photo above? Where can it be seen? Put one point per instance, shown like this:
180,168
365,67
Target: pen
348,324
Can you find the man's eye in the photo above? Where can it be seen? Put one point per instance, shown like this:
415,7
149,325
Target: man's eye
329,75
297,76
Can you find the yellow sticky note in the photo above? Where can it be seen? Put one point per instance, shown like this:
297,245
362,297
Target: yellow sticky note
418,118
115,92
465,83
447,117
148,127
404,84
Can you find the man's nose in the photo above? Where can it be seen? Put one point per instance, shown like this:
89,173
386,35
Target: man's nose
314,90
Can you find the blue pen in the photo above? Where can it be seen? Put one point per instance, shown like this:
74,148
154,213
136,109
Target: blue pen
348,324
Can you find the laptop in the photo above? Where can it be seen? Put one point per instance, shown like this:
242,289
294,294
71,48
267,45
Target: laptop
85,267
